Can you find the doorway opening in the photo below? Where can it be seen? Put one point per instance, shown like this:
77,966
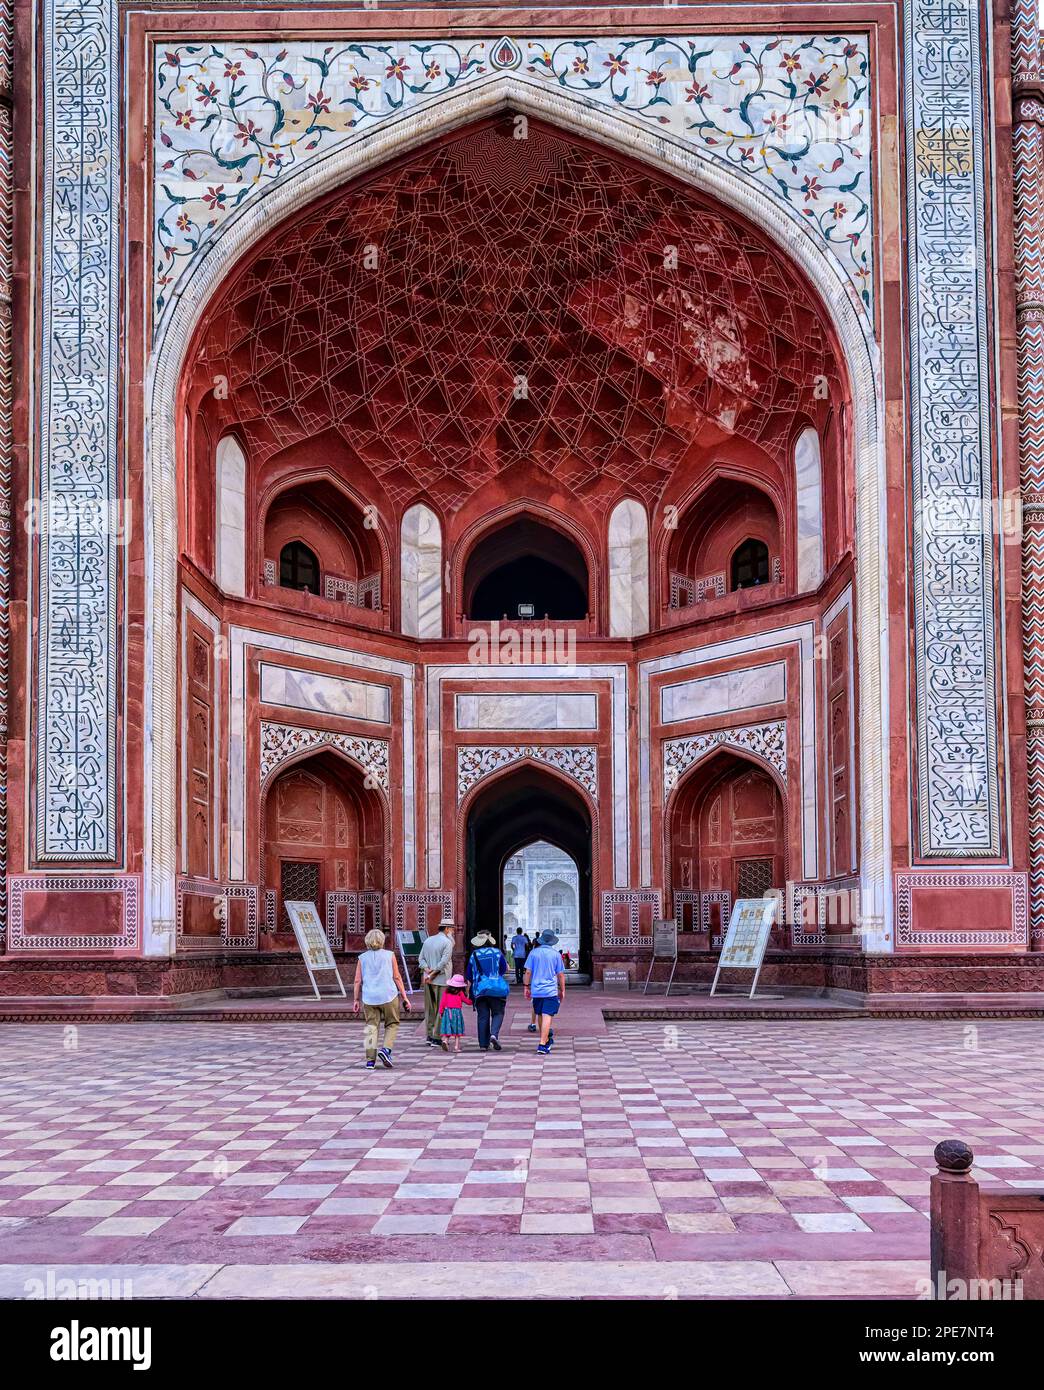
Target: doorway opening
541,892
529,816
525,569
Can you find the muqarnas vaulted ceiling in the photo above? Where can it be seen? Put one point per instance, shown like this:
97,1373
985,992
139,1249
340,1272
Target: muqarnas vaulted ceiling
495,303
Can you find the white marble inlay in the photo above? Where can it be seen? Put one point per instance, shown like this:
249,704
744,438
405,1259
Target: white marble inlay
240,641
230,465
808,476
510,711
723,694
309,690
618,791
628,570
421,567
800,634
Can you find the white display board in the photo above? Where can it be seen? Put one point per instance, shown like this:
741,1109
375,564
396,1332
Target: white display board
747,938
313,942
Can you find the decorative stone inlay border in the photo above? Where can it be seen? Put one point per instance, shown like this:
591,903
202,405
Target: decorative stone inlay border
282,741
958,776
767,741
956,879
421,899
837,891
634,899
78,696
702,901
355,900
126,940
222,938
474,763
791,111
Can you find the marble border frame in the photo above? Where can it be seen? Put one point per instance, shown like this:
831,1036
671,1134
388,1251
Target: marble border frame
801,634
240,638
1018,934
129,885
619,790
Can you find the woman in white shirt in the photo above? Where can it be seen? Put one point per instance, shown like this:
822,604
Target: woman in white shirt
378,981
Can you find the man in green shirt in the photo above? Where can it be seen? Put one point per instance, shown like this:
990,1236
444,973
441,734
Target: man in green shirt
435,960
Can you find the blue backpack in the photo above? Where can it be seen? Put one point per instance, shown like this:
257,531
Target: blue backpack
488,983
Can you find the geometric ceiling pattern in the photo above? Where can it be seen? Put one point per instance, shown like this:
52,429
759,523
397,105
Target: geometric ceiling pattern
491,304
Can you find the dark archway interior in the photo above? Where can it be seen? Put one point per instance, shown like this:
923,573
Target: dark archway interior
529,580
526,562
515,810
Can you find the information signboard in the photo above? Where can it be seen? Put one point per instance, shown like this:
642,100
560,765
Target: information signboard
665,947
616,979
409,944
313,942
747,937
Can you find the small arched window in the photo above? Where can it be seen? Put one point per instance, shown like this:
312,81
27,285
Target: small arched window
750,565
298,567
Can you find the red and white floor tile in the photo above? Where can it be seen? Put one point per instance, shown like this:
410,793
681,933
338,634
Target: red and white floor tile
639,1159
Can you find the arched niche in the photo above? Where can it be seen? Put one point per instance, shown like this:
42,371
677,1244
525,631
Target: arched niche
525,561
420,570
628,570
314,515
727,834
522,806
323,832
617,130
726,518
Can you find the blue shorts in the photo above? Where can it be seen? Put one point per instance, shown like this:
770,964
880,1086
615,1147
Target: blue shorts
547,1006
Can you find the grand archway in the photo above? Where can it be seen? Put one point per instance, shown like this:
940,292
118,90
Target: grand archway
643,367
520,807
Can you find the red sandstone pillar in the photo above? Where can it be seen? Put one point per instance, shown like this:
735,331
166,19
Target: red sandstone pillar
955,1218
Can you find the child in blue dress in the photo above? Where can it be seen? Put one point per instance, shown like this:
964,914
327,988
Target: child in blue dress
451,1010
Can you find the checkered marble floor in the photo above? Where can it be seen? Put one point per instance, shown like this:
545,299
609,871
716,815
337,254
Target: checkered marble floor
266,1144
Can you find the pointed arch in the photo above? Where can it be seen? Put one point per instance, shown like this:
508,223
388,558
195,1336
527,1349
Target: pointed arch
616,130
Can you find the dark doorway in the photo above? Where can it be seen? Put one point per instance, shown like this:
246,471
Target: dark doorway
513,811
526,569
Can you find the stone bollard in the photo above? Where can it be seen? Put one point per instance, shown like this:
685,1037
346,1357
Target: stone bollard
954,1219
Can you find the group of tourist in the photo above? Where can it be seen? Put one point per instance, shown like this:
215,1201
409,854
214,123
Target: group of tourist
519,946
379,987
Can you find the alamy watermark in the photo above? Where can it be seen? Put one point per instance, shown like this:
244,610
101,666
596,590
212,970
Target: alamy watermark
509,645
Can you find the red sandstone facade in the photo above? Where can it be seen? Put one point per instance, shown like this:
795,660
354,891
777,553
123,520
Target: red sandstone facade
468,351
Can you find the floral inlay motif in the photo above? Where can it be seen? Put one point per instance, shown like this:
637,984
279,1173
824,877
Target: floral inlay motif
474,763
768,741
791,111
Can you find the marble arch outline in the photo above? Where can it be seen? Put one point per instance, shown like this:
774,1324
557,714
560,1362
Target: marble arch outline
619,132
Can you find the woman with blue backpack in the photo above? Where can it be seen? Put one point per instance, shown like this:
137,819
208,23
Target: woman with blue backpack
487,971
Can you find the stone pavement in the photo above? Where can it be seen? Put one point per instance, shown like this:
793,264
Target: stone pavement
640,1159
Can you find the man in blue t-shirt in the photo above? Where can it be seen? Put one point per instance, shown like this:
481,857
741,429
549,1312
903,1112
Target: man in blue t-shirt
519,947
545,985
